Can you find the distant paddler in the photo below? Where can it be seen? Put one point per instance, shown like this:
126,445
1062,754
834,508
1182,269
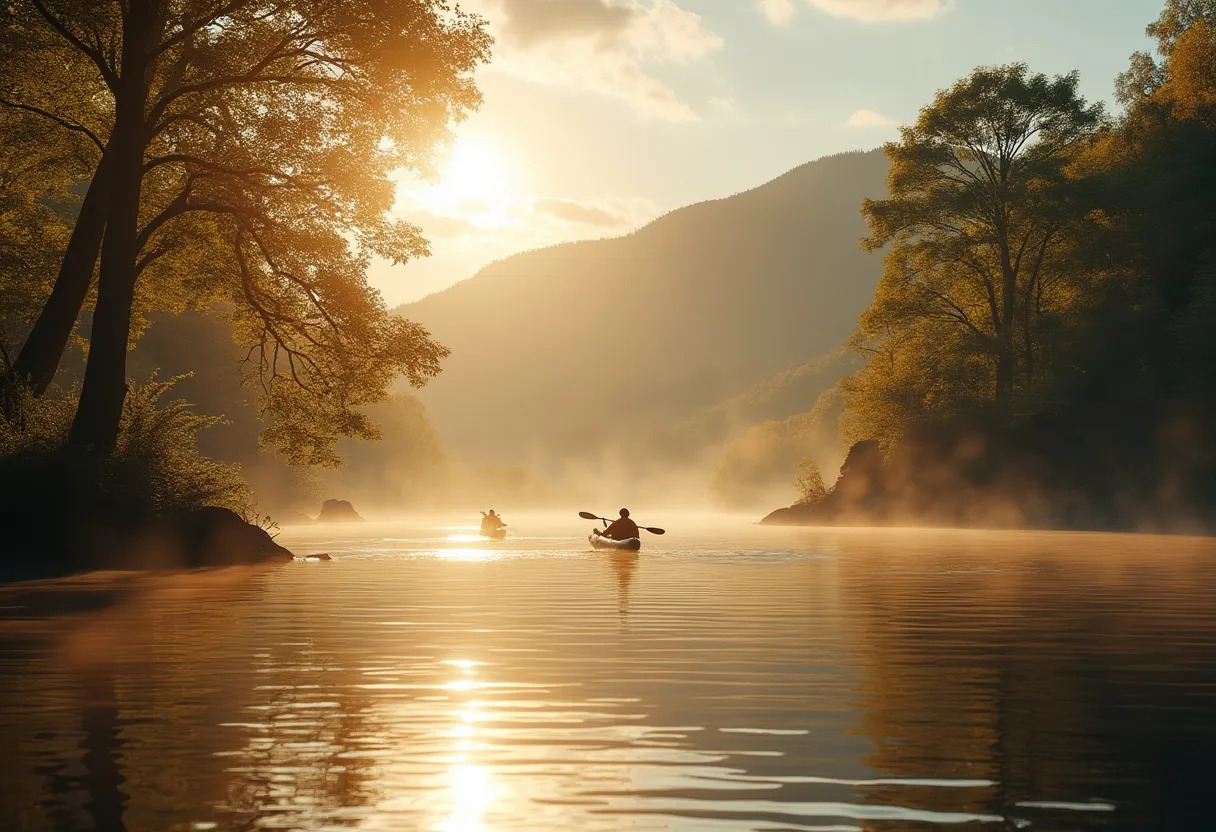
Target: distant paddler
492,525
623,533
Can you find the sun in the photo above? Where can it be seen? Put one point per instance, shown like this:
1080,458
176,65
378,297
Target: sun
476,168
476,184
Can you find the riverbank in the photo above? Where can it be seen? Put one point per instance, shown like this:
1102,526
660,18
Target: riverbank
45,547
987,486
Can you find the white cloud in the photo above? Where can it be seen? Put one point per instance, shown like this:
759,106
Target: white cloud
779,12
723,104
611,47
869,118
881,10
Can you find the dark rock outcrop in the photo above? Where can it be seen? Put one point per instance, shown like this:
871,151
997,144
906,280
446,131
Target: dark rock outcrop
219,537
858,495
204,537
338,511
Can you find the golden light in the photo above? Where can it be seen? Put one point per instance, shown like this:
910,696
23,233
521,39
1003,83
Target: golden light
472,789
465,553
476,185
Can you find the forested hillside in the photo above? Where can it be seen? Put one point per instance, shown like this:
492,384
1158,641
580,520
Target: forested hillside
561,351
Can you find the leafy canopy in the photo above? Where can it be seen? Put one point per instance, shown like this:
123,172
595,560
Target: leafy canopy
272,136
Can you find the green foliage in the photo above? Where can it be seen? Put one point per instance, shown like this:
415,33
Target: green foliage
978,221
155,468
809,483
268,140
1108,342
1146,75
157,453
37,173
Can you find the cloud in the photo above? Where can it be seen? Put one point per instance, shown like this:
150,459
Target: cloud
442,225
615,48
869,118
723,104
780,12
532,22
576,212
881,10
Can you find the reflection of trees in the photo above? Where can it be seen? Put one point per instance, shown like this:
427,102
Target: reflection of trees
82,785
302,728
99,713
1057,672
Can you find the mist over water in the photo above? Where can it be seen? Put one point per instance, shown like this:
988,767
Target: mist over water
727,677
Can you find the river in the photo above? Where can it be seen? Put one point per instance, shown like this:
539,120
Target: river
730,677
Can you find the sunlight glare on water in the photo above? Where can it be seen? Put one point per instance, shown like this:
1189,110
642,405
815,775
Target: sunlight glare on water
725,678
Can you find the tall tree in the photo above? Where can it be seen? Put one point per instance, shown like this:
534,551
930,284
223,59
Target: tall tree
56,104
251,155
974,220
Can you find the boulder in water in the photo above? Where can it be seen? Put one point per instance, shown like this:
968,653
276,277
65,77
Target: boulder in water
338,511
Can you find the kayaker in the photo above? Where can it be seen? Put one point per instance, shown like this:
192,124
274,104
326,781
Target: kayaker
622,528
491,522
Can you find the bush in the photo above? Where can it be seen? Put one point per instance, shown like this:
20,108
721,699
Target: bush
809,483
156,467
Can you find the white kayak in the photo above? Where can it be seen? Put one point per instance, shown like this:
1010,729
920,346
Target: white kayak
598,541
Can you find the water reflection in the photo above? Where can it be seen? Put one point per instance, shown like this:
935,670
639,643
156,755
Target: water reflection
471,786
624,564
807,681
1077,678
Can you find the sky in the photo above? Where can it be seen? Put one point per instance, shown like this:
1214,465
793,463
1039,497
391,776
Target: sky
601,115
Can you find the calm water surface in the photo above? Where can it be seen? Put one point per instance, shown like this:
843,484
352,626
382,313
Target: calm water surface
737,679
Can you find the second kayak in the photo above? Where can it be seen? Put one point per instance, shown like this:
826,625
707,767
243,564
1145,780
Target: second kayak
598,541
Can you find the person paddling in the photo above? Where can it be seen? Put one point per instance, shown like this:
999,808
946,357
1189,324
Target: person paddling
491,522
621,529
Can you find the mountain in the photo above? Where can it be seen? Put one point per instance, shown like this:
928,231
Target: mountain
563,351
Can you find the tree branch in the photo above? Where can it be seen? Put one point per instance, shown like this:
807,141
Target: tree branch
62,122
108,74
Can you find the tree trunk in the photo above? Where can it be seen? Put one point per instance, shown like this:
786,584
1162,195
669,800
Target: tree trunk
105,378
1004,377
1006,359
43,349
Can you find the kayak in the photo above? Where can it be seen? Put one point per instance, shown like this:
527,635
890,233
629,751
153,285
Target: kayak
598,541
495,534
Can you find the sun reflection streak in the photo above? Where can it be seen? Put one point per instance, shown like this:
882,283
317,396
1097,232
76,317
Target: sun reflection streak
472,788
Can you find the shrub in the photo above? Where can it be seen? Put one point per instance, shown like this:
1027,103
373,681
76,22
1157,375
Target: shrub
809,483
155,468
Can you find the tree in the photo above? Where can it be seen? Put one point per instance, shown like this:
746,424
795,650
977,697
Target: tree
52,98
250,156
975,219
36,201
1146,74
809,483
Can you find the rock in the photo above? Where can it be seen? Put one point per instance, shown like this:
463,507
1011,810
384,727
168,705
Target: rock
219,537
338,511
859,495
793,516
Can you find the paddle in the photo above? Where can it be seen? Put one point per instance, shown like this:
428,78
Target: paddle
586,515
